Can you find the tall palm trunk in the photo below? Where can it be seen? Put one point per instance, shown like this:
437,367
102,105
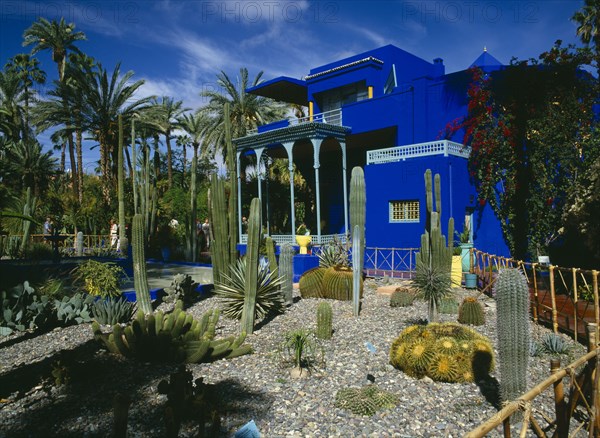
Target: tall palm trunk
78,146
169,158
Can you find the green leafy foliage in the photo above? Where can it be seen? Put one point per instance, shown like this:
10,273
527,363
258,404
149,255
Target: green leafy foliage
300,348
232,291
22,309
102,279
366,400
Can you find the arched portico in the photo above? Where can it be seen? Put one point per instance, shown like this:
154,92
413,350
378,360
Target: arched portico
295,140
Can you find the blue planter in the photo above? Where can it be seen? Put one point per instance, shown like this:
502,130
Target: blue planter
471,281
166,254
465,256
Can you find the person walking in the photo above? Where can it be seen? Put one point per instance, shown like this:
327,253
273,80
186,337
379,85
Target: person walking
114,234
206,231
48,227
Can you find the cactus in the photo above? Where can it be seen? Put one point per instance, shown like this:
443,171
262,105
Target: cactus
140,278
434,259
512,303
79,244
286,270
220,244
357,256
177,337
337,284
402,297
254,229
28,210
232,177
366,400
112,310
446,352
449,306
358,205
270,247
324,321
311,283
471,312
121,186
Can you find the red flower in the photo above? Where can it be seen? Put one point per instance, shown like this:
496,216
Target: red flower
482,202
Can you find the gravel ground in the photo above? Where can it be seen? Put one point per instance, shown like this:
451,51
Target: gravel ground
255,386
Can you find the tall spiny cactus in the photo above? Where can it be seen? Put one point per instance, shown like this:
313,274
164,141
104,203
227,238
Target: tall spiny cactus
324,320
251,280
286,270
133,167
140,279
357,256
269,244
512,303
192,240
434,259
220,246
233,194
121,186
358,207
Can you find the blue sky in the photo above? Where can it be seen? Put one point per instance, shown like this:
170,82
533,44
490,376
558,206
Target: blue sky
178,47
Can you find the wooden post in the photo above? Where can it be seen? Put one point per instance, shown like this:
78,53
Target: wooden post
576,322
506,427
553,296
592,329
559,400
535,294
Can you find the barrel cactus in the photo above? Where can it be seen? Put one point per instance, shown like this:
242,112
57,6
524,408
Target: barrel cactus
402,297
337,283
324,321
446,352
366,400
512,304
311,283
471,312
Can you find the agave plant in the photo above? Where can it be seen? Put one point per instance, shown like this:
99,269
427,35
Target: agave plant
231,290
334,254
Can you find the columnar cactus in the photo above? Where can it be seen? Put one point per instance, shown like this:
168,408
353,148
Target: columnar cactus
286,270
324,320
79,244
434,259
140,278
358,207
357,257
254,229
28,209
233,193
220,245
512,304
121,186
271,255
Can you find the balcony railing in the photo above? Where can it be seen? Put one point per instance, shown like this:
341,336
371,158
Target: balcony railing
400,153
333,117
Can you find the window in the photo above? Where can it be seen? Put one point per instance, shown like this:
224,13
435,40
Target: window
404,211
391,81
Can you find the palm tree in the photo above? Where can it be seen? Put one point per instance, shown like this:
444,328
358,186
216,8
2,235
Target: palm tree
183,141
27,166
167,113
588,20
12,100
105,99
27,70
58,37
248,111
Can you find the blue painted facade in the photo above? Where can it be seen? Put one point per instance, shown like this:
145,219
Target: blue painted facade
387,97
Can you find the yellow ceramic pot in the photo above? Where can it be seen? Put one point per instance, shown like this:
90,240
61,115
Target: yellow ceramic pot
303,241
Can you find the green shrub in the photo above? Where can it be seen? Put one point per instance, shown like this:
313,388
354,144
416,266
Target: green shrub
99,279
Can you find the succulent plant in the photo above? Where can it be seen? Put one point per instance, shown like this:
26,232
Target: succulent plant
471,312
512,304
402,297
337,283
182,287
112,310
448,306
446,352
366,400
74,309
22,309
175,337
286,270
554,344
324,320
311,283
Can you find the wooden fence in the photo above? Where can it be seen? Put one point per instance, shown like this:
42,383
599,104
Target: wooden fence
566,299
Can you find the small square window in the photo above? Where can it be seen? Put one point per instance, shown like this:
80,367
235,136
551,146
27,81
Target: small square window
404,211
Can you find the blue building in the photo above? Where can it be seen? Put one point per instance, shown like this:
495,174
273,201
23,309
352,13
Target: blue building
384,110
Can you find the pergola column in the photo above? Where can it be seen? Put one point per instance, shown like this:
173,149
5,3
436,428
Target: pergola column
345,183
316,142
259,152
289,146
